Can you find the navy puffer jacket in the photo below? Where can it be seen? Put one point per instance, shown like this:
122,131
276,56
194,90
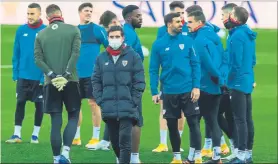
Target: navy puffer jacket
118,88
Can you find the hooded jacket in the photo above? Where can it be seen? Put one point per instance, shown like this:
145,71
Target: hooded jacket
210,49
242,52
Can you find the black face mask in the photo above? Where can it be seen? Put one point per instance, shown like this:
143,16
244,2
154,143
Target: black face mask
230,23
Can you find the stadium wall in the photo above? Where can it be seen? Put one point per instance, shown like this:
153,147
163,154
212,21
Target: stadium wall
262,14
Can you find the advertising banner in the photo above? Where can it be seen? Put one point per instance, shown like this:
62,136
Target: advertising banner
262,14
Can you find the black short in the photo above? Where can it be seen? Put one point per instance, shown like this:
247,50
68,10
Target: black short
86,89
29,90
70,96
209,104
174,104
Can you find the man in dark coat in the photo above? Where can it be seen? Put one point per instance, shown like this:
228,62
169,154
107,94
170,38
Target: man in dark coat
118,84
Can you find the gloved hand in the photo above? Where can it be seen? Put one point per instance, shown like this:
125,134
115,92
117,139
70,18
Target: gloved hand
59,82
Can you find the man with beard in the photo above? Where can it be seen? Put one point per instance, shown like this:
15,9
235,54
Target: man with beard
133,19
29,78
225,100
209,48
175,7
92,37
180,77
241,49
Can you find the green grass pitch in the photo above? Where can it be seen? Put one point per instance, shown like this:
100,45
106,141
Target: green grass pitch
264,112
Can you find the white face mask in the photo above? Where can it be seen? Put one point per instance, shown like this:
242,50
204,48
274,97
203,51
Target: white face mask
115,43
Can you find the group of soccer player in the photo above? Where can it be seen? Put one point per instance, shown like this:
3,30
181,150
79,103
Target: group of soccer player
198,79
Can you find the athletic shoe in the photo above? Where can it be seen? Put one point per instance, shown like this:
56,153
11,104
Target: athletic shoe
76,142
14,139
64,160
102,145
198,160
161,148
176,161
206,153
225,149
92,142
34,139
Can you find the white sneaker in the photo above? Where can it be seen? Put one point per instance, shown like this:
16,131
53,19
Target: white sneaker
117,161
181,150
102,145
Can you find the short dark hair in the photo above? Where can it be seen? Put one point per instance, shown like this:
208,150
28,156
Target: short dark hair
34,5
175,4
241,14
83,5
106,18
193,8
51,9
229,6
129,9
116,28
198,16
169,18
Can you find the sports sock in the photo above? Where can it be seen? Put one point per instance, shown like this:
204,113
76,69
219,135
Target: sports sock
191,154
65,151
180,131
163,137
117,160
134,157
36,131
17,130
241,155
216,153
223,140
96,132
208,143
177,155
197,154
77,134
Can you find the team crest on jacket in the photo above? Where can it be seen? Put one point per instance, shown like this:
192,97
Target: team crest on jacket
181,46
124,62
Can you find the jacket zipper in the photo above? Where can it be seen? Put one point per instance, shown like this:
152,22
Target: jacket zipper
115,72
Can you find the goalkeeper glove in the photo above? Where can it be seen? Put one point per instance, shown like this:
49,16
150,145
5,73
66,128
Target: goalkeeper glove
59,82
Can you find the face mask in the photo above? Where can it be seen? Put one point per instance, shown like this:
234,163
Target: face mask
115,43
230,23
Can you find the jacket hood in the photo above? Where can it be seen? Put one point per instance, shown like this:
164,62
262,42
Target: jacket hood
215,28
210,34
245,28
